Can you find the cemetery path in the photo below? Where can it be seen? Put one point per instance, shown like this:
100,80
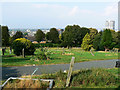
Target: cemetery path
45,69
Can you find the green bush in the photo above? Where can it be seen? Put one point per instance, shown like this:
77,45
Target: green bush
86,43
21,43
42,54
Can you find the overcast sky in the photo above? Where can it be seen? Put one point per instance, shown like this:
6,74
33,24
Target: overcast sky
57,14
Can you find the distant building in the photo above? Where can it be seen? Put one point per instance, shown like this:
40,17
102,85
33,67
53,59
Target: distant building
30,32
43,42
31,38
60,31
110,25
46,31
35,42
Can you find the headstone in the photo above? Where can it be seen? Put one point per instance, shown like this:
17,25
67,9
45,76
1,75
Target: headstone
3,51
70,72
10,50
63,52
91,52
23,53
117,64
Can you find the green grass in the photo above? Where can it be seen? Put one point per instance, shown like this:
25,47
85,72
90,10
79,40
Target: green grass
57,57
85,78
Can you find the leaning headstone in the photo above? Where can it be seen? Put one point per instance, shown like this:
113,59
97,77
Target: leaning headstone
91,52
117,64
70,72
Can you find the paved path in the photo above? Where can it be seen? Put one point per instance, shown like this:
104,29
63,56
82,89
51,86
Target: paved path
27,70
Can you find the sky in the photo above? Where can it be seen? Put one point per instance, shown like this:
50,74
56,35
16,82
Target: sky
57,14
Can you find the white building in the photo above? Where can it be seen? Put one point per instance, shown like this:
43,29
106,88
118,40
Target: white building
46,31
110,25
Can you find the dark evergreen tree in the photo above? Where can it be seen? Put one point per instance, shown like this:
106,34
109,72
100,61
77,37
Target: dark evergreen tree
5,36
96,42
39,35
53,35
106,40
18,34
47,35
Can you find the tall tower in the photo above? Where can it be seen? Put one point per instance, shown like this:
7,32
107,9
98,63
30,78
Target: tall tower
107,24
119,15
110,25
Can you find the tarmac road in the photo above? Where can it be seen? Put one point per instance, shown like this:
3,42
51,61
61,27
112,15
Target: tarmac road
45,69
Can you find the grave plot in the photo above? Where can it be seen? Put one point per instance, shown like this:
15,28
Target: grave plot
15,82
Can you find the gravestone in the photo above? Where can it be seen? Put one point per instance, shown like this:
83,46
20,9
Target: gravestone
117,64
70,72
91,52
63,52
10,50
3,51
23,53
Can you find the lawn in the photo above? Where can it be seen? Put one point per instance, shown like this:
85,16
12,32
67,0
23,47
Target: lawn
85,78
57,57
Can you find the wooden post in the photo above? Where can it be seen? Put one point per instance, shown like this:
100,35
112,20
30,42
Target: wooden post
23,53
70,72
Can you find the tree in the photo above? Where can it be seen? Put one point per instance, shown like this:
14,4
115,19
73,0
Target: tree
69,35
5,36
47,35
21,43
96,41
106,40
118,39
25,34
53,35
115,38
73,35
0,37
18,34
39,35
86,43
93,33
83,31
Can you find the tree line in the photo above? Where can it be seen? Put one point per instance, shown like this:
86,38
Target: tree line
73,36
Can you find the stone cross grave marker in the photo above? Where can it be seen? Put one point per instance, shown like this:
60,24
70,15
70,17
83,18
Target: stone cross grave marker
70,71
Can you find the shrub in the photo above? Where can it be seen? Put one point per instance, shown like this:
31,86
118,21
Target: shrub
86,43
21,43
42,54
